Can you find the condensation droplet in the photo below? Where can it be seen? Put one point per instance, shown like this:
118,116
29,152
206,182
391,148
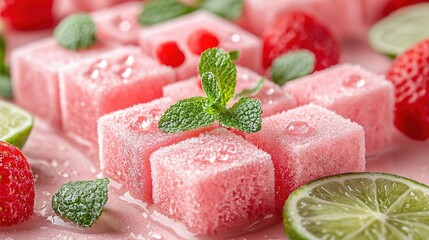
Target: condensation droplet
297,128
353,81
235,38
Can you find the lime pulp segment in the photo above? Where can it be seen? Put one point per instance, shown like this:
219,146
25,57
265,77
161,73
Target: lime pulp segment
15,124
401,29
358,206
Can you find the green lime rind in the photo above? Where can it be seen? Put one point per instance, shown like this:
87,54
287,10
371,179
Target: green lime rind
400,30
358,206
15,124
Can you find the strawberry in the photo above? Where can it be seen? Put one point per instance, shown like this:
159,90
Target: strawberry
28,15
169,53
394,5
201,40
410,75
16,186
297,30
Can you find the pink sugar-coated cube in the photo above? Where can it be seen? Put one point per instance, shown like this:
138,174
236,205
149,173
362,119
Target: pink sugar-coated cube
212,181
128,137
307,143
272,97
115,80
179,30
85,5
354,93
344,18
118,24
372,10
35,69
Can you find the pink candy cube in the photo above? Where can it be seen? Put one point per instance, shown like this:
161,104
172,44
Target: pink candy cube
118,24
344,18
354,93
35,69
212,181
307,143
128,137
115,80
181,29
272,98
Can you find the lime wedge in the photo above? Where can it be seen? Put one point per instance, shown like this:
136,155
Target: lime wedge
15,124
358,206
400,30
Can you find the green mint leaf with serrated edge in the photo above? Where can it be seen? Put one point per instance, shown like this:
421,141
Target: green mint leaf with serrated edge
186,114
75,32
234,55
228,9
250,92
244,115
210,86
81,202
2,50
219,63
292,65
5,86
158,11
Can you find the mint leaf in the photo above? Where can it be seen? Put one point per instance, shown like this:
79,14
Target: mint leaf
292,65
228,9
234,55
186,114
5,86
250,92
2,50
244,115
210,86
158,11
76,32
219,63
81,202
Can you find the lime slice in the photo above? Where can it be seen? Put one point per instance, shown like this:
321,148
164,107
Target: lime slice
15,124
358,206
401,29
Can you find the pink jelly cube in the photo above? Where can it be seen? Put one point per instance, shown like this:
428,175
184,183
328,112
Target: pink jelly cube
307,143
272,98
344,18
128,137
212,181
354,93
115,80
181,29
35,69
85,5
118,24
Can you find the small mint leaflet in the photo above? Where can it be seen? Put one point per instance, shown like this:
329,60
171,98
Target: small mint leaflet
210,86
81,202
5,86
77,31
244,115
186,114
228,9
250,92
234,55
219,63
292,65
157,11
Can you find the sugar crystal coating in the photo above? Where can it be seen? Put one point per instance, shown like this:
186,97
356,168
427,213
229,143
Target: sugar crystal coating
128,137
307,143
212,181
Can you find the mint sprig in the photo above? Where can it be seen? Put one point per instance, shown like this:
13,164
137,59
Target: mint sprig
157,11
81,202
219,78
292,65
76,32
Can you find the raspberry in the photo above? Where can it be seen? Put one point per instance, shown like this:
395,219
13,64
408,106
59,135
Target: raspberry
394,5
297,30
16,186
168,53
201,40
27,15
410,75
